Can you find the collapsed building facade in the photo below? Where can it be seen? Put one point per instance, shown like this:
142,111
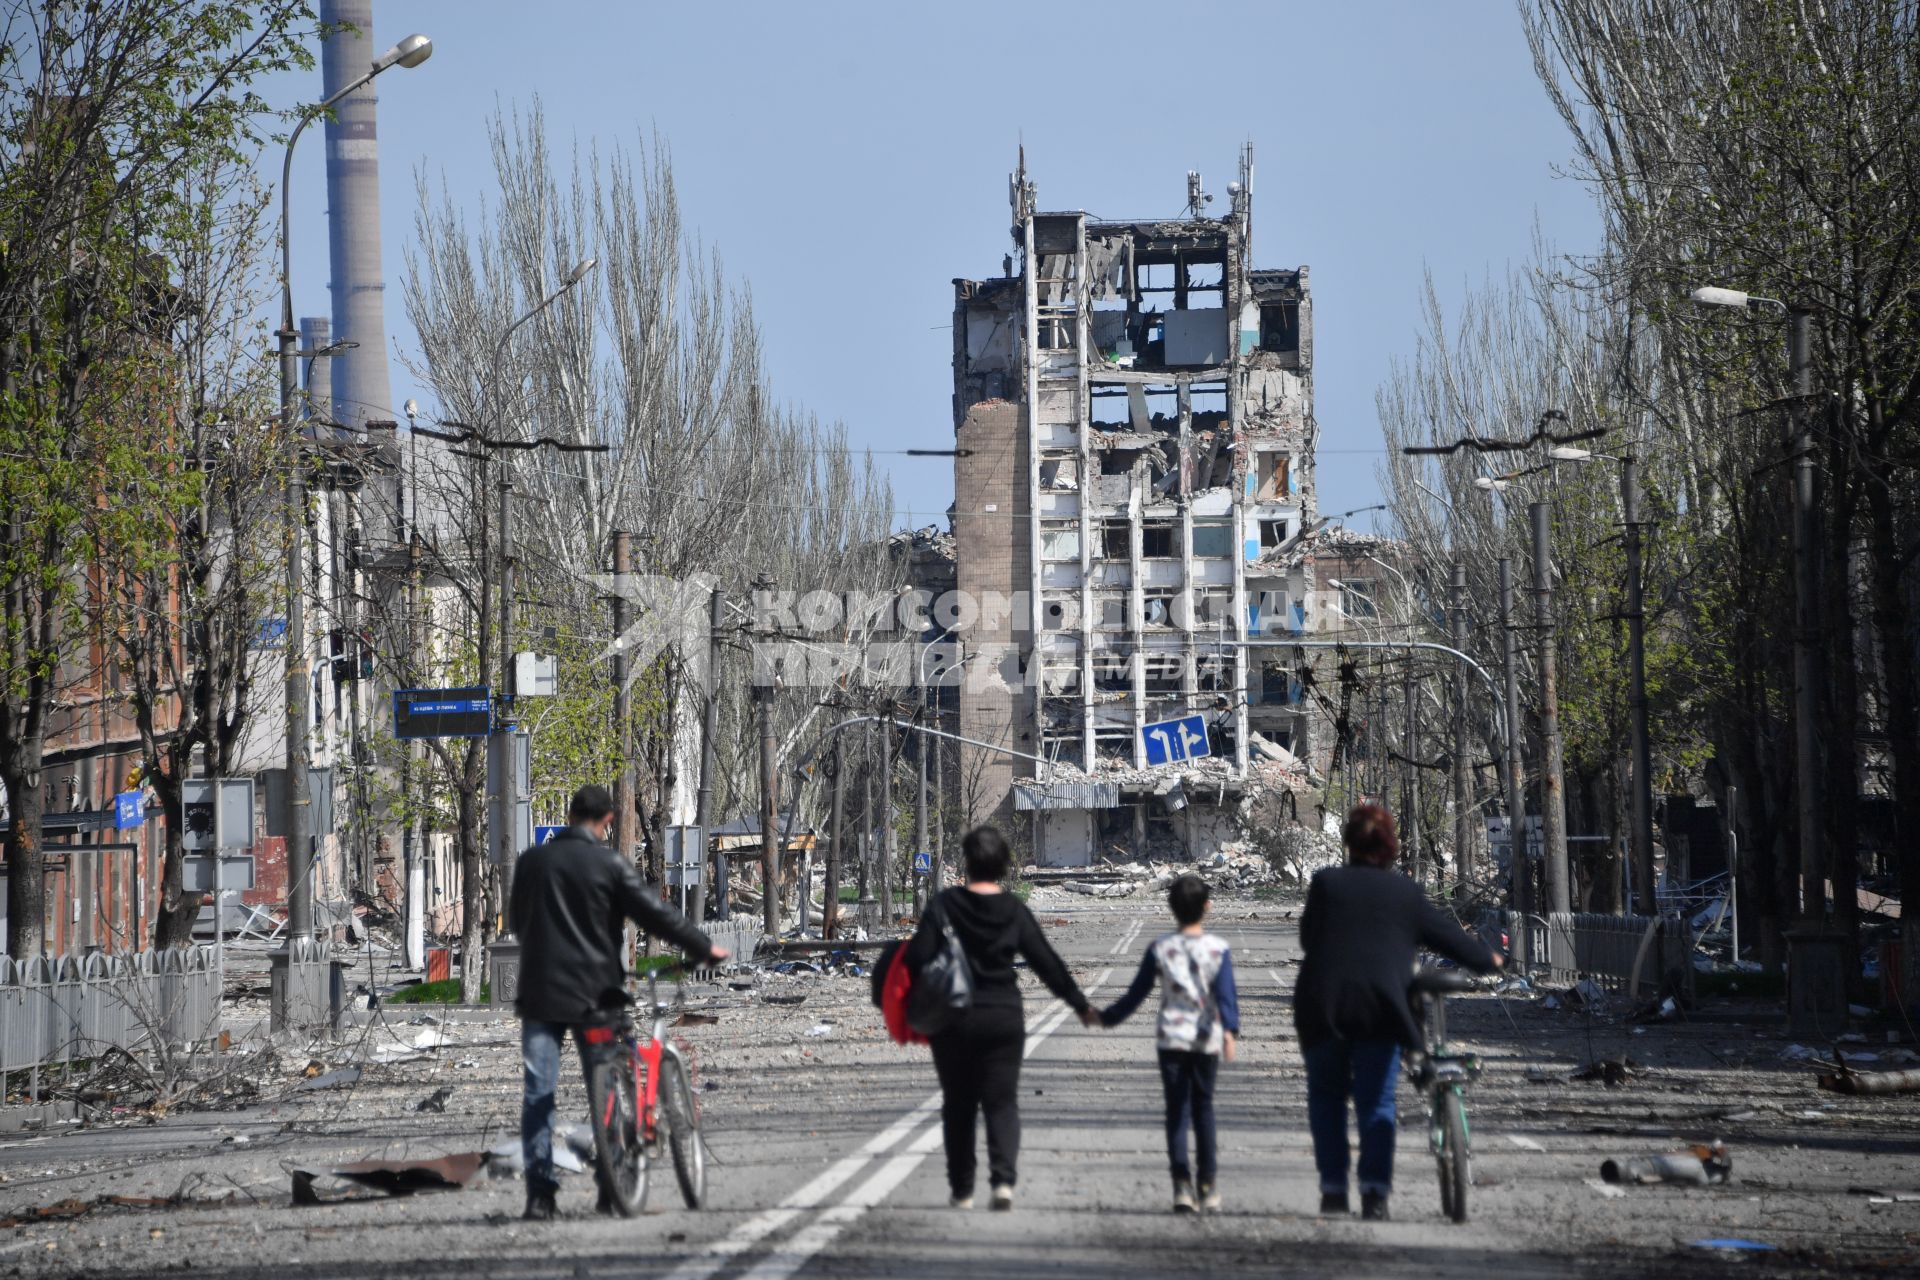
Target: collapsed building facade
1133,413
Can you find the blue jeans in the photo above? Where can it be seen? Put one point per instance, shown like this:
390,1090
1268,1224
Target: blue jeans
1188,1081
1368,1071
540,1055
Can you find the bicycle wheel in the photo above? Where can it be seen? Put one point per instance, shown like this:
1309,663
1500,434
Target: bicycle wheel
1455,1160
682,1116
617,1148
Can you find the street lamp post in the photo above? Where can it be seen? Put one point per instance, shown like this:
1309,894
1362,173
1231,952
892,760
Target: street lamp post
410,52
502,768
1806,620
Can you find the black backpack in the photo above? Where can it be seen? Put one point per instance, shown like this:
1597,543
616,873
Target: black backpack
942,989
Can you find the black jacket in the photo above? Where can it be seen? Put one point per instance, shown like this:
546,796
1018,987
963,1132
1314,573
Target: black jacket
572,897
993,928
1361,929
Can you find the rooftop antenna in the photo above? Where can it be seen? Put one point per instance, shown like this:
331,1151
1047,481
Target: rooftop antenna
1197,200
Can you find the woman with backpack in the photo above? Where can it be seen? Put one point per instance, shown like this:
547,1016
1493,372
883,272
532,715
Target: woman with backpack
978,1043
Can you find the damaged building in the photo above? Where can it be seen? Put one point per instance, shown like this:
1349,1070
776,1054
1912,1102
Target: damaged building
1133,410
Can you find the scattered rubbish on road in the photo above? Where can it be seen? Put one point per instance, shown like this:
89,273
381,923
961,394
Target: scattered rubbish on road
1524,1143
691,1019
1798,1053
799,999
1734,1244
1614,1072
820,1029
1870,1082
391,1177
572,1147
1545,1075
1605,1190
1698,1165
336,1079
436,1101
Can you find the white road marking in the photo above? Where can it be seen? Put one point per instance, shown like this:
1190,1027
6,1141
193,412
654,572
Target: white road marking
1126,939
1524,1143
788,1258
1278,981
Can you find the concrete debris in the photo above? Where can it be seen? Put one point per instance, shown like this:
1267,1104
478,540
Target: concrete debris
820,1029
436,1101
336,1079
391,1177
1846,1080
572,1149
1699,1165
1613,1072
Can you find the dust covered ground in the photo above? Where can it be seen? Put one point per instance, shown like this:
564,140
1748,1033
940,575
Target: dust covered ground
825,1150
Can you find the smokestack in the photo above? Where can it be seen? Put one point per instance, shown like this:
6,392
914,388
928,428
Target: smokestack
317,372
360,388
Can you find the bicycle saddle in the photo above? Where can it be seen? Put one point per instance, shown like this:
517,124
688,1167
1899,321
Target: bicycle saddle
1442,982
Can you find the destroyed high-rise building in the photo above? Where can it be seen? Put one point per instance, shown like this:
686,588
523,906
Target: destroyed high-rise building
1133,411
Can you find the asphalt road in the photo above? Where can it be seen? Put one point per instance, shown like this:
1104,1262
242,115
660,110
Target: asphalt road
829,1163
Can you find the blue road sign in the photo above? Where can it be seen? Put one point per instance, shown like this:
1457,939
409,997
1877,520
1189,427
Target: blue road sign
543,834
923,864
1171,741
128,810
442,713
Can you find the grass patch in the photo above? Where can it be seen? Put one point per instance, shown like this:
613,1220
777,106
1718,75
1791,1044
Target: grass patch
445,992
1751,986
849,893
1023,890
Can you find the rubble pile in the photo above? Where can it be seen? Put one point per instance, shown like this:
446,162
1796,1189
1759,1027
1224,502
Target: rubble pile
1236,868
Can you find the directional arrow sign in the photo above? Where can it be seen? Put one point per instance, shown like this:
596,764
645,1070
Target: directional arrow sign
1172,741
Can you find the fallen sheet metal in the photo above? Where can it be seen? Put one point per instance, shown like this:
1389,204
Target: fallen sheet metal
1871,1082
338,1079
391,1177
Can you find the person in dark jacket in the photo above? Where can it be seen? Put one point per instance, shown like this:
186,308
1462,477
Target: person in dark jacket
572,897
978,1058
1361,929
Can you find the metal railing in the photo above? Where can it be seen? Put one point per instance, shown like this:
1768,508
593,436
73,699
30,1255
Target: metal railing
59,1010
1609,950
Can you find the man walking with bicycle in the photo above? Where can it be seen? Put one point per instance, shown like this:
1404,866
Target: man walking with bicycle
571,899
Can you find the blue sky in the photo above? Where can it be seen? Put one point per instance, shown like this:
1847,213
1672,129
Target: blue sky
848,160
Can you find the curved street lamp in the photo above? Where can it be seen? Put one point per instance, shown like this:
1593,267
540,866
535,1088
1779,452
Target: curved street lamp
410,52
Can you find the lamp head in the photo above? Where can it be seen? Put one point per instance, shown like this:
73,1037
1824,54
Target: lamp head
579,273
1569,453
410,52
1714,296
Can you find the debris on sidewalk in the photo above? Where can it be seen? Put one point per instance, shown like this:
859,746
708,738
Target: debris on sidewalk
391,1177
436,1101
1846,1080
1699,1165
572,1148
1733,1244
1614,1072
338,1078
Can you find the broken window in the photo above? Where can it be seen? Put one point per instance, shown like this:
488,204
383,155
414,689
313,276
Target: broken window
1116,539
1273,533
1113,613
1113,671
1357,598
1156,538
1060,542
1157,609
1213,538
1060,473
1163,671
1280,326
1273,470
1055,616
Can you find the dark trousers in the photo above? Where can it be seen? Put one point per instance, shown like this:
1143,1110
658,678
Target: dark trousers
978,1063
1188,1080
1366,1071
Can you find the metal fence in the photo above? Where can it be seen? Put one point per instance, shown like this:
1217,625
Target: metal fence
58,1010
1603,948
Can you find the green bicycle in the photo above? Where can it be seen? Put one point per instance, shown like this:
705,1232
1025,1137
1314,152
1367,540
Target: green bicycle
1444,1077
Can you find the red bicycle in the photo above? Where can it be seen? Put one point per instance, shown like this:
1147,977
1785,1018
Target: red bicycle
640,1093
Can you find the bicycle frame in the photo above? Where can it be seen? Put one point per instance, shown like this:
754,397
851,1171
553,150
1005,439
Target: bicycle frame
644,1056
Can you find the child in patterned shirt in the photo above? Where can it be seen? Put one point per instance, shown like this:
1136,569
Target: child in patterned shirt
1199,1021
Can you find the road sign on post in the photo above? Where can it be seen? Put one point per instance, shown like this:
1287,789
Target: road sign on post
542,834
129,810
923,863
442,713
1171,741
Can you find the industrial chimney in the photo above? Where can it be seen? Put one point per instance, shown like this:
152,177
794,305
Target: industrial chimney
360,388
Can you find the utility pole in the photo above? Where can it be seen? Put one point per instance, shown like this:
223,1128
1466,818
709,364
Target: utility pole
1553,817
769,791
939,810
299,681
1462,815
1642,796
836,839
886,817
869,920
1410,784
1519,868
502,759
625,812
920,807
1806,622
709,763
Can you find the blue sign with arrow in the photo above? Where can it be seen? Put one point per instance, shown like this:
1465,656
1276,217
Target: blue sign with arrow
1171,741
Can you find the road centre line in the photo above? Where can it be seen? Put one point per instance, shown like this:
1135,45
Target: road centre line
802,1247
797,1251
